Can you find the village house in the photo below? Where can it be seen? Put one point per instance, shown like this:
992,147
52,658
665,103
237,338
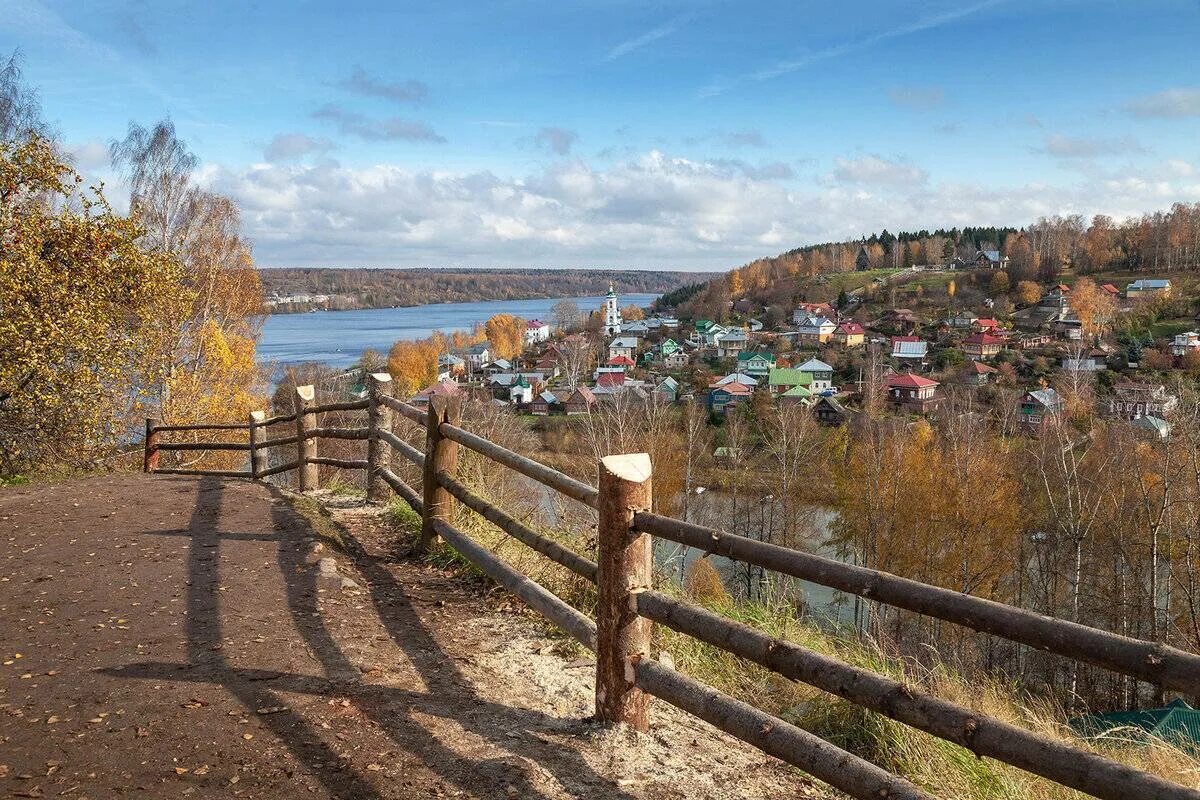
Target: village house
708,331
981,345
722,397
829,411
580,401
910,348
976,373
496,367
814,330
1134,400
667,390
639,327
1069,328
902,320
623,346
476,355
1148,287
441,388
1084,361
783,379
849,334
451,367
520,392
989,325
812,310
1153,427
676,360
731,343
821,374
1185,343
963,319
536,332
624,362
609,379
797,395
737,377
990,259
757,365
545,404
667,348
1031,341
1038,408
912,393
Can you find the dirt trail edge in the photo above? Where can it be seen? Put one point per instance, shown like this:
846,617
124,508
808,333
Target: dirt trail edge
180,637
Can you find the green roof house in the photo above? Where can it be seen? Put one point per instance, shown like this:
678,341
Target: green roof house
781,379
758,365
796,395
1177,723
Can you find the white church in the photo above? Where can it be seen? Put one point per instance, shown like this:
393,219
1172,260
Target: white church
612,313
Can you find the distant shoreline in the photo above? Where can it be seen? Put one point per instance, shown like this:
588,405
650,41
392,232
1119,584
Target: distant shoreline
290,290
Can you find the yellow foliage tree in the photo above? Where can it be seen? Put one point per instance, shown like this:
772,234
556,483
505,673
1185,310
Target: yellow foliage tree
1027,293
82,309
413,365
506,334
1095,308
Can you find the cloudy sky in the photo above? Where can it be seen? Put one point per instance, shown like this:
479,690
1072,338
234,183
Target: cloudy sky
634,134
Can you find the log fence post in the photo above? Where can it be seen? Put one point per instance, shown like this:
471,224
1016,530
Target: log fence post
306,448
441,455
258,457
379,418
150,457
624,569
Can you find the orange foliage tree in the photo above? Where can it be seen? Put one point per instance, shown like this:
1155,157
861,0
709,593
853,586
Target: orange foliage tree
506,333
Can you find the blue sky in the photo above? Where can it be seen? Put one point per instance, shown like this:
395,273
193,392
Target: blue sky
631,134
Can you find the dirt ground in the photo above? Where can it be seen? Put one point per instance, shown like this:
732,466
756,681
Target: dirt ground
172,637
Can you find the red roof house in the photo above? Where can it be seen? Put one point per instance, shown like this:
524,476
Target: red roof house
912,392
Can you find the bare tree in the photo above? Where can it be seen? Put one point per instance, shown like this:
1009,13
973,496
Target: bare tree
565,315
20,110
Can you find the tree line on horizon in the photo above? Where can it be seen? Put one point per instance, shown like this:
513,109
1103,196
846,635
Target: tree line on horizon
350,288
1154,243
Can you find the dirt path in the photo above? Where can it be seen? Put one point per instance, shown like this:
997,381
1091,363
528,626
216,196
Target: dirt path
171,637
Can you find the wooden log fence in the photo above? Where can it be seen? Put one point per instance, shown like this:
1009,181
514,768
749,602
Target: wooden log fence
627,604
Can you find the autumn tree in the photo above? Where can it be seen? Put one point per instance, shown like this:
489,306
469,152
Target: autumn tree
506,334
631,313
1095,307
208,348
1027,293
83,306
413,365
999,284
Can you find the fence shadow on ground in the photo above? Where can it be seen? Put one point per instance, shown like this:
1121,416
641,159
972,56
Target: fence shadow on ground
396,711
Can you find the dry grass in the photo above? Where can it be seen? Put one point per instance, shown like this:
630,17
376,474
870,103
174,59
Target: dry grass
943,768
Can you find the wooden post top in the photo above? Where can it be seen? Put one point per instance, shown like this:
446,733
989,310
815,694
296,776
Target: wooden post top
258,416
306,393
632,467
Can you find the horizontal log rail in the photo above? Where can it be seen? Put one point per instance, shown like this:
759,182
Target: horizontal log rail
559,481
855,776
350,405
407,410
279,469
219,473
342,463
1148,661
406,492
201,426
407,450
536,596
278,441
338,433
518,530
982,735
276,420
204,446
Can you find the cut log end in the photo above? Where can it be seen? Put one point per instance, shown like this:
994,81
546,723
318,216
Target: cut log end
632,467
308,393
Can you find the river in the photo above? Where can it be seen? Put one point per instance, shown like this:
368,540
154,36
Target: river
338,338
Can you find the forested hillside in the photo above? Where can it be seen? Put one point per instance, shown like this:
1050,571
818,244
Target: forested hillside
1160,242
383,288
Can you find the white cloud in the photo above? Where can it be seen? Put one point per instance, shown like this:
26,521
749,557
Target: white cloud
877,170
1172,103
653,210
